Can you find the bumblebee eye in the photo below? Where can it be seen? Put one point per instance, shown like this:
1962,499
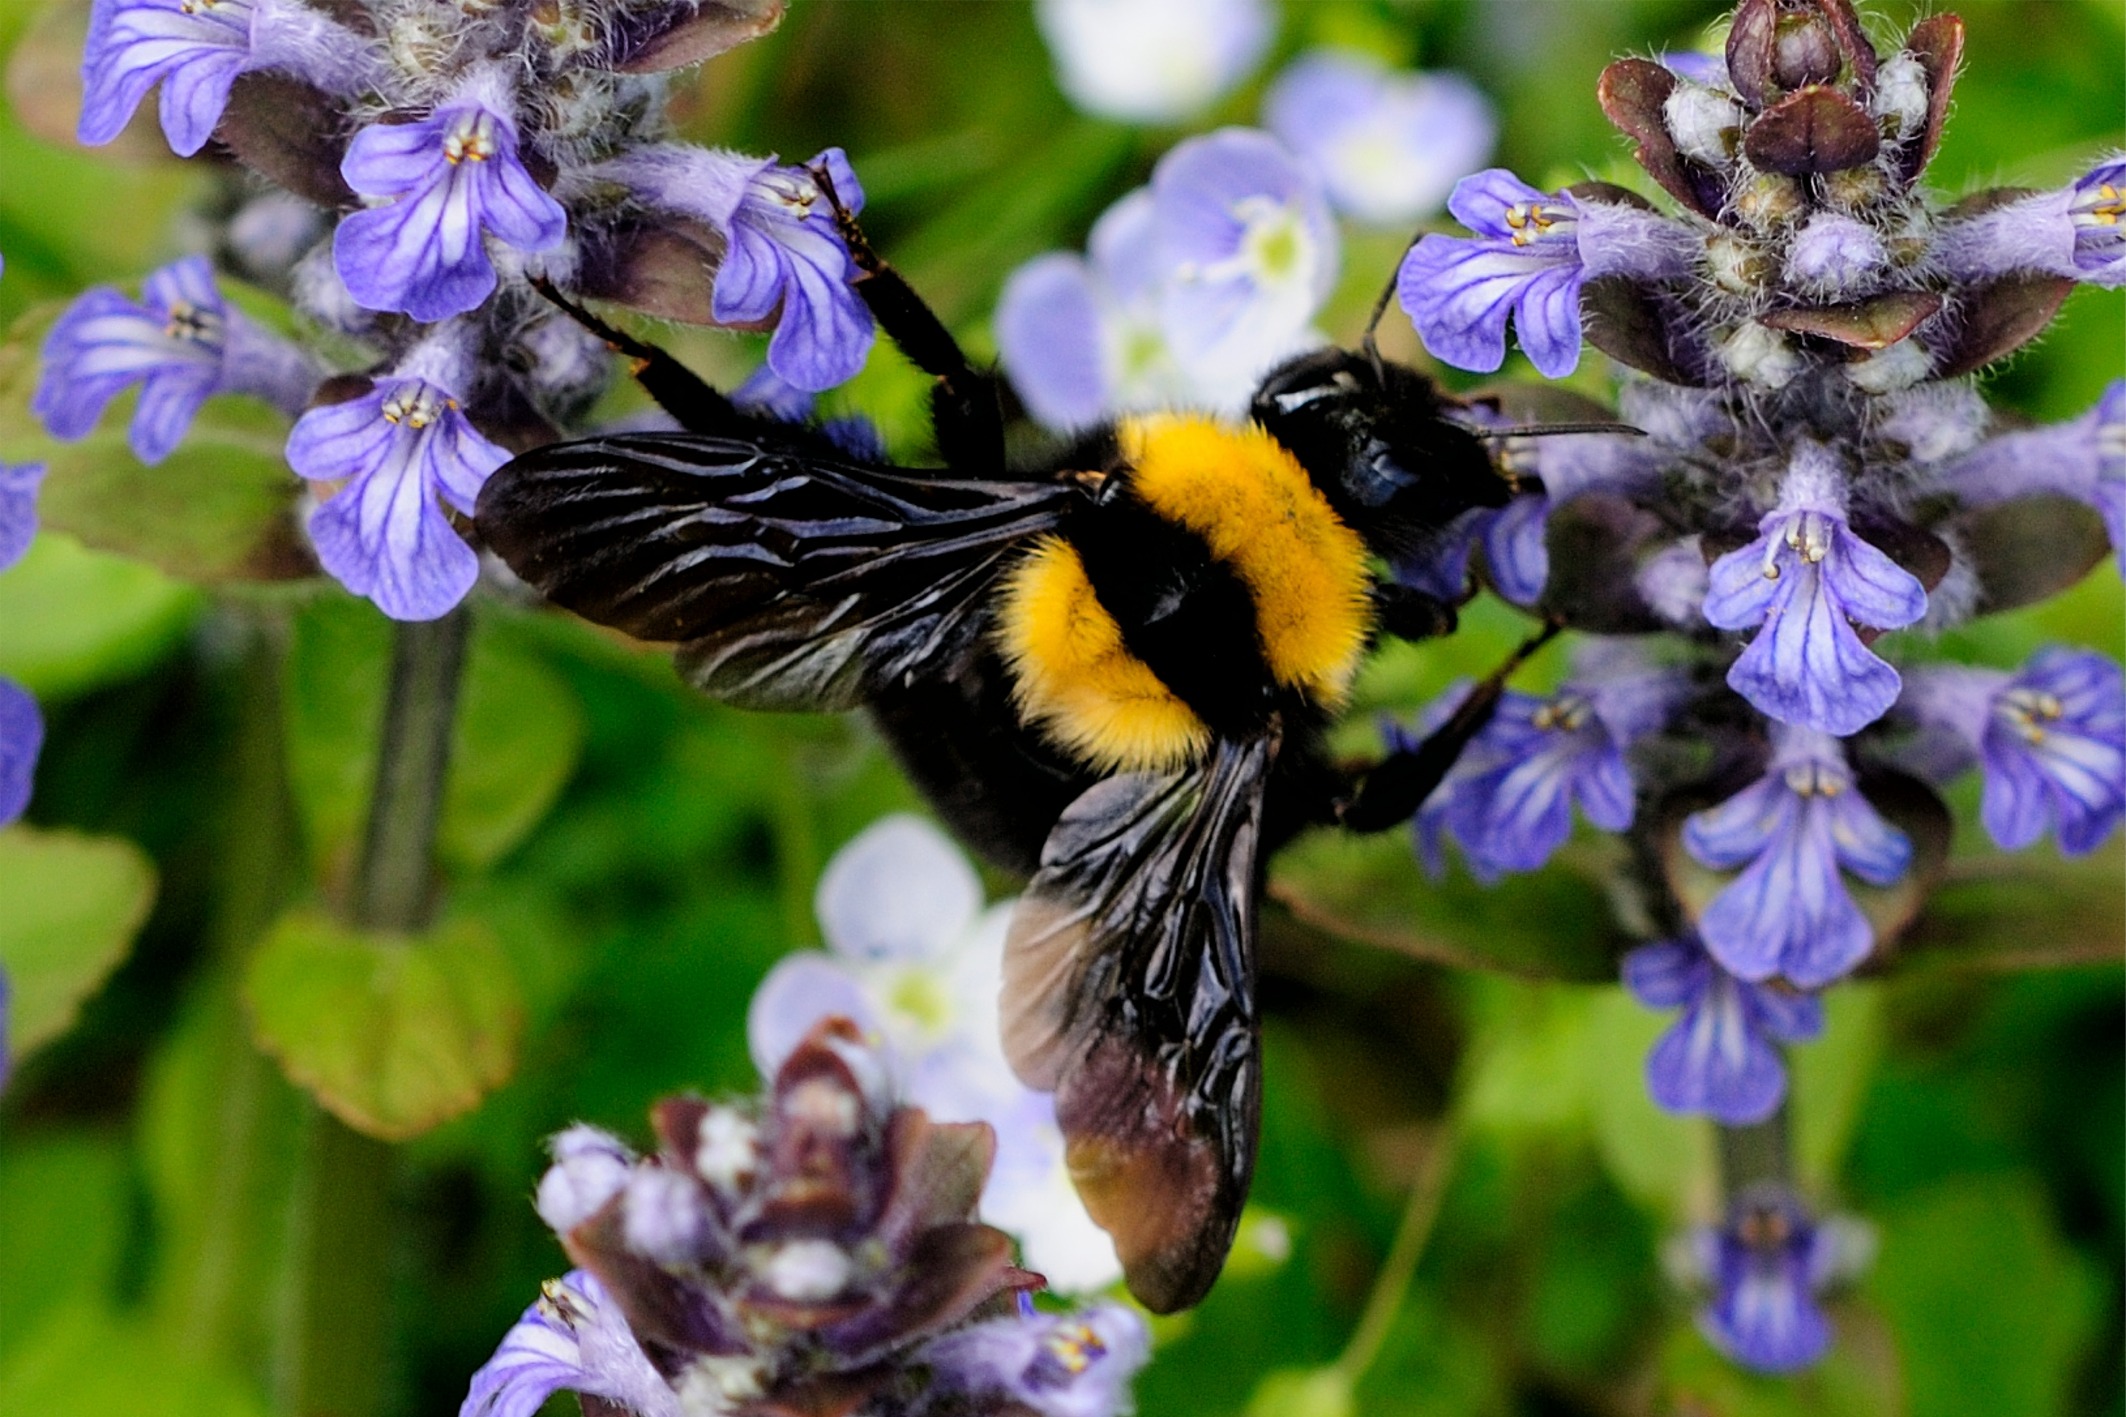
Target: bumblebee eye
1374,476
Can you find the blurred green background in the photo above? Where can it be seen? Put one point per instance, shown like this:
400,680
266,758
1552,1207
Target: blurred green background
641,857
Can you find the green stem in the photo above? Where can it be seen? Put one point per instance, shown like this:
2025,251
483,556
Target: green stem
334,1357
1754,1154
392,876
1392,1284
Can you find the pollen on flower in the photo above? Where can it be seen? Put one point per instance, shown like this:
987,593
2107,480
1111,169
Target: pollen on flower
1074,1348
1814,779
2109,206
189,322
1530,220
2027,710
1568,713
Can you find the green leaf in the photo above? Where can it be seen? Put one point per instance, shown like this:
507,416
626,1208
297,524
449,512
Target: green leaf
1990,1307
73,905
72,619
1550,924
394,1034
219,508
74,1183
2030,910
519,733
1828,1079
1662,1161
1303,1392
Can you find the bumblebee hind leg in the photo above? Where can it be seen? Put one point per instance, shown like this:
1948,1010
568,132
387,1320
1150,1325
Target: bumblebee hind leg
677,389
966,407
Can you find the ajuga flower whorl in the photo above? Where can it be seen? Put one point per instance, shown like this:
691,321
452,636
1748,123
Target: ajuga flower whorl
432,160
1797,336
814,1251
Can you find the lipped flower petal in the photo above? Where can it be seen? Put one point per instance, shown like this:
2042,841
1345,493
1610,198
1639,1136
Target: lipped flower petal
899,890
194,50
1056,1365
401,450
1763,1267
574,1339
442,186
18,509
786,255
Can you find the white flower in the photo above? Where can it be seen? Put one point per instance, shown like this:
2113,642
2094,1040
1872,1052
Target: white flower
1153,61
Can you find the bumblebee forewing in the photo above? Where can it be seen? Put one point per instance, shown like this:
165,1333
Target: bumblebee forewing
793,581
1129,988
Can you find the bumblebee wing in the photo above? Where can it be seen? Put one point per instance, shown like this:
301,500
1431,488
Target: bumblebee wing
791,580
1129,990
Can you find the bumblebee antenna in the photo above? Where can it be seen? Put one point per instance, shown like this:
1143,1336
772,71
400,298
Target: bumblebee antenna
1380,309
1552,430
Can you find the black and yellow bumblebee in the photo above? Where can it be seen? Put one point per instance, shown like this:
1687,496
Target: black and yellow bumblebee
1111,672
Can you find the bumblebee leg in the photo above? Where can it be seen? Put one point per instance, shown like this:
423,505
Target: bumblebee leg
965,409
677,389
1393,789
1407,613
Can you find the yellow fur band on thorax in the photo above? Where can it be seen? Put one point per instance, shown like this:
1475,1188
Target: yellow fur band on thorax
1253,504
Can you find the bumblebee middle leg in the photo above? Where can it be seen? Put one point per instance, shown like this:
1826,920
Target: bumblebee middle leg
966,407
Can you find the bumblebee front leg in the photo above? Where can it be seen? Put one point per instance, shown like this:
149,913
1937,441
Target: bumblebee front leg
677,389
1393,789
966,411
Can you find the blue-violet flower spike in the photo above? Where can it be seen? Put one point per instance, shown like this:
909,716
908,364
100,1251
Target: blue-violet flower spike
1789,912
574,1339
18,509
1719,1058
2073,231
1056,1365
399,447
443,185
1808,580
181,343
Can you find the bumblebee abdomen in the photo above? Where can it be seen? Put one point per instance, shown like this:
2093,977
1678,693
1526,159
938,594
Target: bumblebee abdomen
1213,586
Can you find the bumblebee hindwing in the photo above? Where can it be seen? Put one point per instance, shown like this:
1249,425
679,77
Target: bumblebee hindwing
791,580
1129,989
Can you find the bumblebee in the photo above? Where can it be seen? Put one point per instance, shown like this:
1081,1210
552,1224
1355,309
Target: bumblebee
1111,672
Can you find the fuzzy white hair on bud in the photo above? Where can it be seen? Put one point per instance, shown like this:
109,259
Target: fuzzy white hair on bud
1705,123
1901,96
1760,356
1902,365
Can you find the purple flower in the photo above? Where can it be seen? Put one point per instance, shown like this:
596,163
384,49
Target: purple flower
1388,146
442,184
1765,1267
196,49
1808,580
590,1167
2073,231
1248,251
2050,740
18,509
398,447
1509,800
784,260
1056,1365
180,343
573,1340
2083,458
21,738
1158,63
1789,912
1719,1058
1532,253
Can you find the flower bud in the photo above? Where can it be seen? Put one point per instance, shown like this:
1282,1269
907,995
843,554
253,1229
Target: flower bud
1834,255
1804,51
1769,200
665,1217
590,1168
1900,97
1854,189
1738,265
1760,356
1705,123
1902,365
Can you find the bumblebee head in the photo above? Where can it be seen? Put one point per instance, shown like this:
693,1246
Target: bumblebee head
1377,440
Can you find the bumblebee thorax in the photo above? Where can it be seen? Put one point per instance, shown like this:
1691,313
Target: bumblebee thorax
1206,582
